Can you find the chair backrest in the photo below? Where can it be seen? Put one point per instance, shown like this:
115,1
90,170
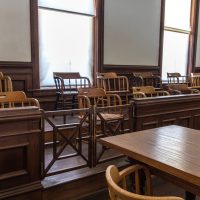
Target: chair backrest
113,83
177,78
16,99
195,80
67,75
147,91
70,81
97,97
5,83
115,179
146,79
109,75
143,74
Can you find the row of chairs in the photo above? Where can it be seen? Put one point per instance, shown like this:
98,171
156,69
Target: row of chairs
67,85
171,89
10,98
193,80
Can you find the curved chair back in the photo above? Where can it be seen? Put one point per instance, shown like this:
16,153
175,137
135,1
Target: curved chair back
112,83
5,83
115,179
147,91
16,99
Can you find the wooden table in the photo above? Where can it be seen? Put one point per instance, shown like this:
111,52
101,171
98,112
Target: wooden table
173,152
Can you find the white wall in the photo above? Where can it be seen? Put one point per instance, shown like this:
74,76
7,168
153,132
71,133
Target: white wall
197,63
131,32
15,40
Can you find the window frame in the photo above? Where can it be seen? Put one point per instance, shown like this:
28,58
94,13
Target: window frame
191,34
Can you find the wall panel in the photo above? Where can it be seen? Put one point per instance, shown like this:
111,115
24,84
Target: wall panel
132,32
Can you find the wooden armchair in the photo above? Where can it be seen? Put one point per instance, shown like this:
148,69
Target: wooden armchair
181,89
67,85
5,83
114,84
146,79
147,91
107,109
117,184
16,99
195,80
177,78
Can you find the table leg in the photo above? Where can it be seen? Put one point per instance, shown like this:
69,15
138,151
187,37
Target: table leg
189,196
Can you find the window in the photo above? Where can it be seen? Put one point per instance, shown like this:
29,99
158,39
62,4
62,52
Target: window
65,38
177,30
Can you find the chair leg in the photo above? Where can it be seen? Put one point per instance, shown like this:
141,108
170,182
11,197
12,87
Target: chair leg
57,100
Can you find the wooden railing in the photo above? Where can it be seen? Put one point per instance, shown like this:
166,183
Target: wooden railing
74,139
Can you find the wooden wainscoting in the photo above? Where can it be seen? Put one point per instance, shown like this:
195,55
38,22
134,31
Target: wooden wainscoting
183,110
20,153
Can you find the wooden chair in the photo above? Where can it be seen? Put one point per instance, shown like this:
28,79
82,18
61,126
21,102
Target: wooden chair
117,184
195,80
146,79
16,99
5,83
147,91
67,85
181,89
177,78
106,108
114,84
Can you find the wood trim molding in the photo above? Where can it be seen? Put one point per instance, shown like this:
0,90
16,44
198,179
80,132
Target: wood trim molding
98,37
34,43
162,18
193,47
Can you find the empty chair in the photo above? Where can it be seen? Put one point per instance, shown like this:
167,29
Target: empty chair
146,79
16,99
147,91
195,80
106,105
114,84
67,85
177,78
117,184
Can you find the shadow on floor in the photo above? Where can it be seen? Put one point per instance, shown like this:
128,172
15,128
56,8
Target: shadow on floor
160,188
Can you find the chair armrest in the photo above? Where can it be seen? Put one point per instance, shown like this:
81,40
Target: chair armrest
139,95
194,91
173,92
162,93
83,101
34,101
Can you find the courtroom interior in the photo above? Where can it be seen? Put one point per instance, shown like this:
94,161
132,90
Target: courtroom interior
99,99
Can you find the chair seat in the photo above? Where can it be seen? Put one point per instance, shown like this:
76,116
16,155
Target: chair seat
111,116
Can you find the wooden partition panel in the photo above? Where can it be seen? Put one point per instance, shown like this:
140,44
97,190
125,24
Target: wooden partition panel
183,110
20,153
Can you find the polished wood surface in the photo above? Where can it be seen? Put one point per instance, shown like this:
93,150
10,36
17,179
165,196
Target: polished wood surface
20,153
171,150
183,110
